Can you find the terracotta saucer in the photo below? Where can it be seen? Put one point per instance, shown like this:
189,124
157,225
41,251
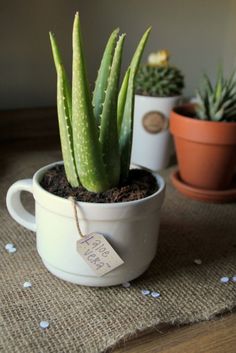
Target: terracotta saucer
217,196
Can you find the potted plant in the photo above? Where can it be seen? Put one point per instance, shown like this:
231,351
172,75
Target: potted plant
158,89
96,136
205,140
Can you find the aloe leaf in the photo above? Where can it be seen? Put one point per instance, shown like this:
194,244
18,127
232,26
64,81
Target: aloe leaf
200,107
231,84
207,84
88,156
212,108
122,99
219,85
59,65
231,110
64,115
103,75
201,114
125,138
218,115
108,131
65,129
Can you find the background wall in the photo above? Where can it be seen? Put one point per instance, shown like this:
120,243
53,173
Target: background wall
199,33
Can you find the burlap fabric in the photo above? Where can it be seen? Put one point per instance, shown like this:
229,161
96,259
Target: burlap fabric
90,320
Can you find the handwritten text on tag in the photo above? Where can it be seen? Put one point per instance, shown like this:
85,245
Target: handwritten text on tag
98,253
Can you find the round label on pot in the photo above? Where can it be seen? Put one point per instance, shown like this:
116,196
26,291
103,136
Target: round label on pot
155,122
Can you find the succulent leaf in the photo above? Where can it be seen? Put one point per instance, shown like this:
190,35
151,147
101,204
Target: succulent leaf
103,75
125,138
219,85
88,156
108,131
122,99
59,64
65,129
64,115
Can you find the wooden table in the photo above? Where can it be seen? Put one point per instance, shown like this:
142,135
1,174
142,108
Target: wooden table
38,129
215,336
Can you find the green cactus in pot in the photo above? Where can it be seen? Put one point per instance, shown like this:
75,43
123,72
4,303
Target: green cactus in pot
158,78
96,129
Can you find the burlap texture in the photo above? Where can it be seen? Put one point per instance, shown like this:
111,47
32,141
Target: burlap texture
90,320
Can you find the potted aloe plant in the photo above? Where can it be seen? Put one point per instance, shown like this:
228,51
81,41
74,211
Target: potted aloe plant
90,197
158,87
205,140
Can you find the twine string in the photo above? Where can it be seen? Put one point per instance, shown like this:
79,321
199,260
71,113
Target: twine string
75,205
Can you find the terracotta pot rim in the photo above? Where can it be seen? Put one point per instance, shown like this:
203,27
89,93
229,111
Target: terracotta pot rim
200,131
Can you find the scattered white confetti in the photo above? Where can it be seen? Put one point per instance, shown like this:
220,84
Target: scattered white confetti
11,250
155,294
27,285
198,261
145,291
234,278
9,246
224,279
44,324
126,284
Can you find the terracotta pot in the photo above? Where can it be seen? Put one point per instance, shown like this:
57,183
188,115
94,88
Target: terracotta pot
206,150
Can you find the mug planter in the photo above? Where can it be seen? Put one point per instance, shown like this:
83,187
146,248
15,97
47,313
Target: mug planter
206,154
152,142
130,227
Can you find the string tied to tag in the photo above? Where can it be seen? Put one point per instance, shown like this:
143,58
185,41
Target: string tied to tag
95,249
75,205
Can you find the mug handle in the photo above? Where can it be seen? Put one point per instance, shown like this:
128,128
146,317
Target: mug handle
15,207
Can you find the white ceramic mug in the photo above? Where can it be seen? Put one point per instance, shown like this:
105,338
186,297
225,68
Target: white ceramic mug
130,227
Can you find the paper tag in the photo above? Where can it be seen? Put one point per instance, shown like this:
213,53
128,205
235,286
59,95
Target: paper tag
98,253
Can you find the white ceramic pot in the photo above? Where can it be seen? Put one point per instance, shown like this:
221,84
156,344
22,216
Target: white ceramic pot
152,142
130,227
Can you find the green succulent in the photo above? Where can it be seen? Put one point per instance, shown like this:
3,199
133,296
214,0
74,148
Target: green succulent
96,129
217,102
158,79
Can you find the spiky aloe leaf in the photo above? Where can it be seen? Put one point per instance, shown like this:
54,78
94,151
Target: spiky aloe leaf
88,156
103,74
219,85
65,130
58,63
108,131
207,85
121,100
64,116
125,138
231,83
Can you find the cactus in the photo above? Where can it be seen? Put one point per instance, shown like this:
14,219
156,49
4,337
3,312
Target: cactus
217,103
96,130
157,78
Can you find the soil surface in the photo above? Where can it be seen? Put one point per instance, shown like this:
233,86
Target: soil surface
140,184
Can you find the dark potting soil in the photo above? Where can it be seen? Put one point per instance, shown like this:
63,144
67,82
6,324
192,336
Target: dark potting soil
140,184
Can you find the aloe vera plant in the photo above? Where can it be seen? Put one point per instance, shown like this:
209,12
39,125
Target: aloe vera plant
96,129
